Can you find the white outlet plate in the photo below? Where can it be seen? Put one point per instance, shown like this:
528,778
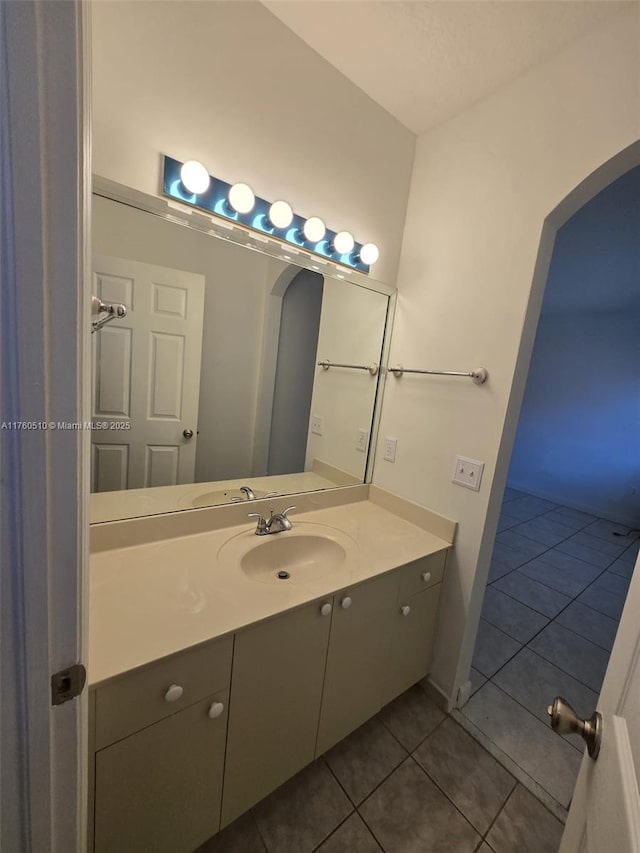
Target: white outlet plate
468,473
316,424
390,445
362,440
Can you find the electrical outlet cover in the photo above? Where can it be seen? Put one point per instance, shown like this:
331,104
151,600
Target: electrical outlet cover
468,473
316,424
390,445
361,440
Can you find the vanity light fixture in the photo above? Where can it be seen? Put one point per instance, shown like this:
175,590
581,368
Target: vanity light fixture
280,214
369,254
195,177
343,243
237,205
314,229
241,198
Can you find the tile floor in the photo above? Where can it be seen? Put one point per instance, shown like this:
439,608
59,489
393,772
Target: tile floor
411,780
557,585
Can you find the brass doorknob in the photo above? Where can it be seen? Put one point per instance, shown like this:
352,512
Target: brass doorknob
565,721
187,433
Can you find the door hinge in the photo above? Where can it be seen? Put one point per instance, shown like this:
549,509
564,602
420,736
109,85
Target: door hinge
68,683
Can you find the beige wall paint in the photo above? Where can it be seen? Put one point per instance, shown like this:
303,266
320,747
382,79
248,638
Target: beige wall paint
482,187
230,85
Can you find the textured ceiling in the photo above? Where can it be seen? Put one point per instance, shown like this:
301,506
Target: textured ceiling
426,61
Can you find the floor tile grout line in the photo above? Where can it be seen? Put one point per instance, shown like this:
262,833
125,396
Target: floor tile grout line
524,708
504,805
524,603
436,783
333,831
518,702
335,776
444,793
526,645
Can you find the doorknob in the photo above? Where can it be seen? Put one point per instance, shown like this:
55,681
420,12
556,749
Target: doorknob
565,721
187,433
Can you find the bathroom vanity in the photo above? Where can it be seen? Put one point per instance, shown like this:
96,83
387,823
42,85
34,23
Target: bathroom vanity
213,680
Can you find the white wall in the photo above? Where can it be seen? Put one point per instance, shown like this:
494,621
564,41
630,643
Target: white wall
481,189
351,330
578,439
228,84
237,282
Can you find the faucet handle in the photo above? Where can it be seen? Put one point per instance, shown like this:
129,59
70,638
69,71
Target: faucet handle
262,522
285,511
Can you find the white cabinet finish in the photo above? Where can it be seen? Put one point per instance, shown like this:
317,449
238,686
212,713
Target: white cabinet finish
358,644
278,669
159,789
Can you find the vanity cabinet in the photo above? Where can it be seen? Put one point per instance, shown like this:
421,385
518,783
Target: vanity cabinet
381,643
413,628
360,626
278,671
158,753
169,769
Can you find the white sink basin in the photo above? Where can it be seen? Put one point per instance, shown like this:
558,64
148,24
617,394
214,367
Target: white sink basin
301,555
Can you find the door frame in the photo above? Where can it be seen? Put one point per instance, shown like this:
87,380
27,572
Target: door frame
44,263
587,189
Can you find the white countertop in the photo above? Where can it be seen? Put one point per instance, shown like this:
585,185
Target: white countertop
153,599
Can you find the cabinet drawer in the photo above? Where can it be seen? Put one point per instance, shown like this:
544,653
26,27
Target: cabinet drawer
141,697
421,574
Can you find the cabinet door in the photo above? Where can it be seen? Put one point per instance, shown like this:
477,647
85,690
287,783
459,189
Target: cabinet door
411,638
357,649
276,687
159,790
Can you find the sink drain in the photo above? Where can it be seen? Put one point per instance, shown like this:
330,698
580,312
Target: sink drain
283,576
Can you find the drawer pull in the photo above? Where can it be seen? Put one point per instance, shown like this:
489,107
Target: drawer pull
405,610
346,602
174,693
325,609
426,577
216,710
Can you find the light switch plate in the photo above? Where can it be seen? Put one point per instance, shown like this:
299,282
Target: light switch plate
361,440
316,424
390,445
468,473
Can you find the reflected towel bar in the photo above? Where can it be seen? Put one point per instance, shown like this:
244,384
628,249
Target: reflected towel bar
372,368
479,375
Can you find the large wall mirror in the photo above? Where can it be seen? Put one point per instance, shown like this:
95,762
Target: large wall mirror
210,389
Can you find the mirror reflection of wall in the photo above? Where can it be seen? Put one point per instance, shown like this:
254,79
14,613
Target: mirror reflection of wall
263,325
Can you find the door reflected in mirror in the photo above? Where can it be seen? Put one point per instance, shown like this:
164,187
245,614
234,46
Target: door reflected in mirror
211,382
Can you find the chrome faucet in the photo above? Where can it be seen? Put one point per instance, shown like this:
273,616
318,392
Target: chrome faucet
248,491
249,495
276,523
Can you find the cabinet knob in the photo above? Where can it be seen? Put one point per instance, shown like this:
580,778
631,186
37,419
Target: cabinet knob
405,610
426,577
174,692
325,609
216,710
346,602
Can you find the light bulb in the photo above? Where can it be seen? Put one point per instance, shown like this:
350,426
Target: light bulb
280,214
241,198
369,253
194,177
314,229
343,242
